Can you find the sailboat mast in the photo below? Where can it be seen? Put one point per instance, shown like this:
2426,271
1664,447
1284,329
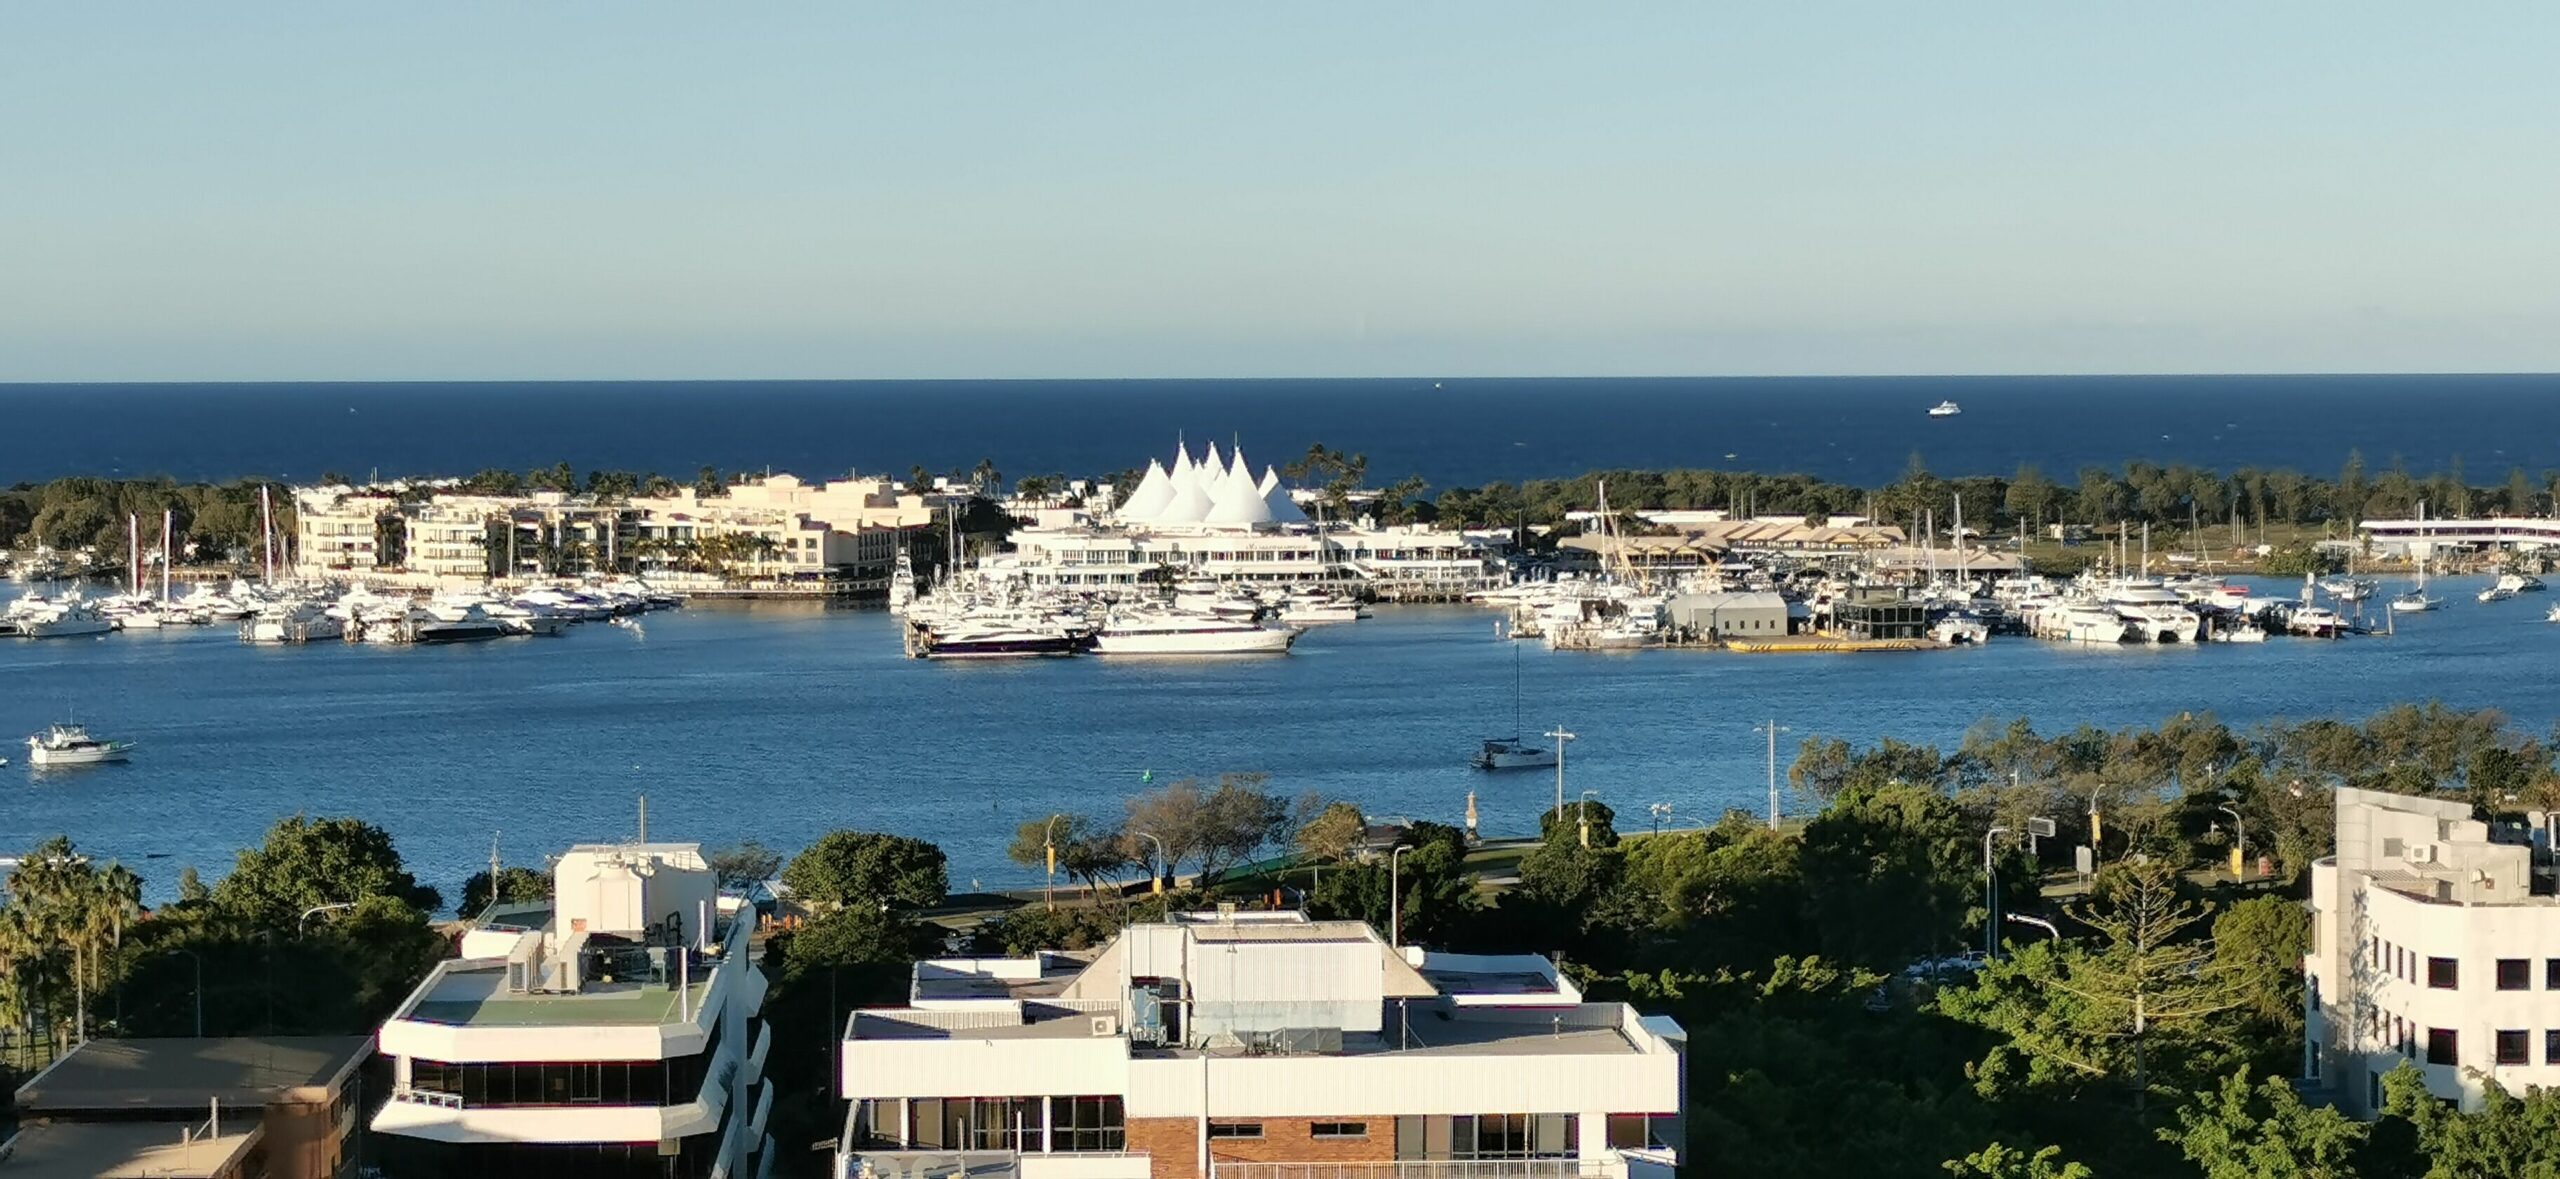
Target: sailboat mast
267,528
133,553
167,517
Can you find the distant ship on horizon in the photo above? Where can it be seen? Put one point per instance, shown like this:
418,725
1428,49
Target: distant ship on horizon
1945,409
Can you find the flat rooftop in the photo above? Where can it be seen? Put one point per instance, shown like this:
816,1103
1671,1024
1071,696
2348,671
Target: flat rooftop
1426,1033
949,979
166,1074
1490,982
477,996
126,1150
1281,931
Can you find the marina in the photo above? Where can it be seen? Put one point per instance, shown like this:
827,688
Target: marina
824,722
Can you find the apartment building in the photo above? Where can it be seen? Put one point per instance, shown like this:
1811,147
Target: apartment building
1257,1046
252,1107
2436,942
613,1033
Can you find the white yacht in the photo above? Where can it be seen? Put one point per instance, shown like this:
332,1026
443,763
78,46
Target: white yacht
64,619
2350,589
292,622
2416,600
2317,622
1945,409
1511,753
1152,633
2519,583
2551,615
2497,593
2152,613
2240,630
71,745
1960,629
2077,622
1311,609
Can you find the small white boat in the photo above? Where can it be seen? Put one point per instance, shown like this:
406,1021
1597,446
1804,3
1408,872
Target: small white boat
2519,583
1960,630
1189,634
1511,753
2551,615
1945,409
2497,593
2240,631
71,745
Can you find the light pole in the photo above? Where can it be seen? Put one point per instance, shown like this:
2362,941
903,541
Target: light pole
1773,728
1049,846
199,961
1560,736
1582,815
1990,897
1155,877
1395,894
301,924
2239,842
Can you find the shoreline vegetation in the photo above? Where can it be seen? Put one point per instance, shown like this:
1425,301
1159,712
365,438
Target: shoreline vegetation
1817,967
2229,516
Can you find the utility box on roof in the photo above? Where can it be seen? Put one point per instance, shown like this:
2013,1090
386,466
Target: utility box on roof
629,889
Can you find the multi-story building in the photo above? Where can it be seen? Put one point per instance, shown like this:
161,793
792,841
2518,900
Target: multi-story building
613,1033
1257,1046
251,1107
1390,559
2436,942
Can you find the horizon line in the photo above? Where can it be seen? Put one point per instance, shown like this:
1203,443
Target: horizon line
1912,376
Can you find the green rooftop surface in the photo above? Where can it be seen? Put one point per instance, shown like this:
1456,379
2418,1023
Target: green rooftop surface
477,998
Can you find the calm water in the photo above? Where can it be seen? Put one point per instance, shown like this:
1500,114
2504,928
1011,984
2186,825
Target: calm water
1458,433
778,723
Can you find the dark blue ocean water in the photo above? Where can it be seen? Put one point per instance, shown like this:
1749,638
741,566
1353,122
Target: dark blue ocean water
1453,433
779,723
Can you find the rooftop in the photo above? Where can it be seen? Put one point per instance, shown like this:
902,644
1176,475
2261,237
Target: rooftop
474,994
165,1074
125,1150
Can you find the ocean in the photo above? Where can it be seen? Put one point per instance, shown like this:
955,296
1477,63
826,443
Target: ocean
780,721
1450,433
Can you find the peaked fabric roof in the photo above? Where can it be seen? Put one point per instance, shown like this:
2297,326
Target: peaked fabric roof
1284,510
1153,492
1236,499
1188,502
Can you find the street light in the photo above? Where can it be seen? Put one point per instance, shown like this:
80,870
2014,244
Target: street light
2239,843
1049,846
1560,736
1773,728
301,924
1155,877
1395,894
2038,922
1990,897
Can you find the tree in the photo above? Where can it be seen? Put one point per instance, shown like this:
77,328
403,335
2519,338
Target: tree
745,864
516,885
708,483
1086,850
307,862
2259,944
1333,833
1224,825
1892,871
2003,1162
868,869
2264,1131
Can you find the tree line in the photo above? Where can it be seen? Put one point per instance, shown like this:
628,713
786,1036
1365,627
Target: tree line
209,521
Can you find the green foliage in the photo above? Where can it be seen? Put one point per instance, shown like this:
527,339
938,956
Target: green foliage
1086,850
2002,1162
2259,944
1431,889
1332,834
743,865
516,885
1892,871
868,869
308,862
2242,1131
1226,824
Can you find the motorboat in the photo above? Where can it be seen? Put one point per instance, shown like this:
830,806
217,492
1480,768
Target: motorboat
2350,589
2152,612
2552,615
1305,610
292,622
2239,630
71,745
1945,409
67,618
1961,629
2077,622
1153,633
466,626
1511,753
2496,593
993,640
2519,583
2318,622
535,622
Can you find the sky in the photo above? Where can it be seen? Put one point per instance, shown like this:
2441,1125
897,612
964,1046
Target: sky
251,191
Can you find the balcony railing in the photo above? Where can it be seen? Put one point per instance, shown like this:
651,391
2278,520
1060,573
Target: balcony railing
1426,1169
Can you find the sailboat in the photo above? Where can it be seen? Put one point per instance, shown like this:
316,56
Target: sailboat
1512,752
2416,600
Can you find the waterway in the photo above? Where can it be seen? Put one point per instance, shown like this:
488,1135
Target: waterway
777,722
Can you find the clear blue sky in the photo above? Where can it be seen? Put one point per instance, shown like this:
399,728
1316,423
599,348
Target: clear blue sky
251,191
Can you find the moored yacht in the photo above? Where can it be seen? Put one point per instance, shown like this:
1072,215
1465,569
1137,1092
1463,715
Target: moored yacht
71,745
2152,613
1177,633
64,619
1511,753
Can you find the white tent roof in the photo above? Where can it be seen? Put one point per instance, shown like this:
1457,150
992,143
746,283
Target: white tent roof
1153,492
1235,499
1275,499
1188,500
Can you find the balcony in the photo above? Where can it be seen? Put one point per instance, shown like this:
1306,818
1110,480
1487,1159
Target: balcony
992,1164
1612,1166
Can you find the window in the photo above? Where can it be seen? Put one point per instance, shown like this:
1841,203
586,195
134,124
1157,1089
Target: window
2551,974
2551,1047
1087,1124
2515,974
2443,1047
980,1123
2443,974
1323,1131
2511,1048
1235,1129
1486,1136
1631,1131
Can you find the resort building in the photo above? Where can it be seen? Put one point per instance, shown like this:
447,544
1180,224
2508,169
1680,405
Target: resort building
277,1107
2436,942
1257,1046
612,1033
2422,538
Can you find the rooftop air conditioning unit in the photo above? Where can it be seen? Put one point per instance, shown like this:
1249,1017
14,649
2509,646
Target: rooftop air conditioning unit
1106,1025
2422,853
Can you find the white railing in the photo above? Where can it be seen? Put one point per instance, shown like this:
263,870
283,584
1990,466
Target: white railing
427,1097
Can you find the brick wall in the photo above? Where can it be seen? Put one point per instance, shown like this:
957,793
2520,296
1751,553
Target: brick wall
1174,1147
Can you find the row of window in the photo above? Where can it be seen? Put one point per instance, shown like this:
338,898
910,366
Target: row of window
2444,1045
2445,974
674,1081
1026,1125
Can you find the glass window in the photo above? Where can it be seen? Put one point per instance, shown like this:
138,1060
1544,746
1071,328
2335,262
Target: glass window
1235,1129
1338,1130
2551,974
1630,1131
2443,974
2551,1047
1087,1124
2443,1047
2511,1048
2515,974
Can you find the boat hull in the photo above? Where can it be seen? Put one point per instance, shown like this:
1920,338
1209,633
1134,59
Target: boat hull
1257,641
38,755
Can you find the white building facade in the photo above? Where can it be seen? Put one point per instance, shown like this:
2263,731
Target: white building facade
2433,944
1258,1046
615,1033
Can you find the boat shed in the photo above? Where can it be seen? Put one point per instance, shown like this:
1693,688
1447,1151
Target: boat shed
1755,614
